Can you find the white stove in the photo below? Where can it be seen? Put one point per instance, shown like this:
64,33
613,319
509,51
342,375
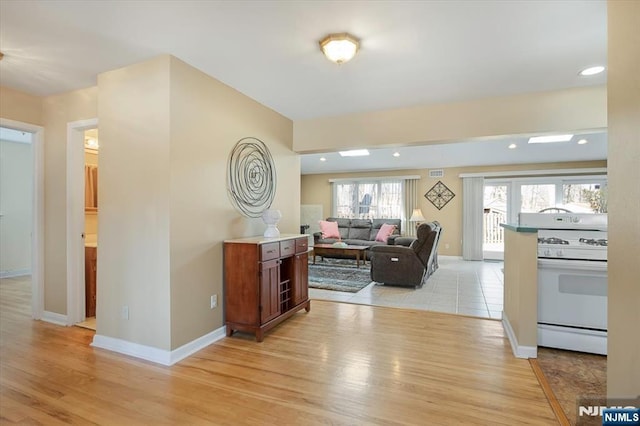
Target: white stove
572,280
572,244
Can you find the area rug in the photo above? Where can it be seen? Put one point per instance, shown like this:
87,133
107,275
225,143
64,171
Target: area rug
338,276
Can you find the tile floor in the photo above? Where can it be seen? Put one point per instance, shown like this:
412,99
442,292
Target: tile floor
472,288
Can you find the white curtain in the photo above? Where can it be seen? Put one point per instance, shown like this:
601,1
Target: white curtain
472,210
410,202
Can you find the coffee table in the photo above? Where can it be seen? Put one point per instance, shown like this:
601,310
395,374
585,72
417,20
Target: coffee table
329,250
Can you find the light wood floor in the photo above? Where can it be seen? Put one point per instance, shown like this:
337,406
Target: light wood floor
339,364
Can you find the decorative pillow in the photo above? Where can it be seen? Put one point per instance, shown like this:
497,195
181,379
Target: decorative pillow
385,231
329,229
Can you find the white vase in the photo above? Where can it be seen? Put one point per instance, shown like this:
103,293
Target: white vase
271,218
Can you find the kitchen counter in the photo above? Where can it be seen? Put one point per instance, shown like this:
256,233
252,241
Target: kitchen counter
518,228
91,240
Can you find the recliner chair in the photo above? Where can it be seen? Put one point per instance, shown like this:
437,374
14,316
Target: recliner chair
407,266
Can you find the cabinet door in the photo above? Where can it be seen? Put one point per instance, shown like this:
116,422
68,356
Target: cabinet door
269,290
90,263
300,278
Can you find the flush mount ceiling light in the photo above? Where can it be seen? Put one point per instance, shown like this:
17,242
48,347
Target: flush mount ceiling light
582,141
512,146
323,159
339,48
550,139
354,153
592,70
396,154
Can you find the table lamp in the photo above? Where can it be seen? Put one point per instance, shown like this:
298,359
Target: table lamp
417,217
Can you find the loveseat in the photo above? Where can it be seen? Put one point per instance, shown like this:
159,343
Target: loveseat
360,232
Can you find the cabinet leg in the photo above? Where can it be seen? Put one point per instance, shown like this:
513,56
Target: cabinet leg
229,331
259,336
308,307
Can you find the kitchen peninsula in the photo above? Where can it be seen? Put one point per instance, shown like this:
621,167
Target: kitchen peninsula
520,315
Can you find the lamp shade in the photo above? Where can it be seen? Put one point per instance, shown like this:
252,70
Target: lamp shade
339,48
417,216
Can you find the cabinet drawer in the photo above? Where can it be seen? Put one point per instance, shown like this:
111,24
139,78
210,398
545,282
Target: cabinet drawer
287,248
269,251
302,245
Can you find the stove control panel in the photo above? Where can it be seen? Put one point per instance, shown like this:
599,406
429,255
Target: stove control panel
567,219
572,253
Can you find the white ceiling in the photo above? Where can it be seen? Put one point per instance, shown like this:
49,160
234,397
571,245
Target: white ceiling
462,154
412,52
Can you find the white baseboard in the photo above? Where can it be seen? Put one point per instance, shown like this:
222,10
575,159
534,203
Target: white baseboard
519,351
54,318
195,345
10,273
160,356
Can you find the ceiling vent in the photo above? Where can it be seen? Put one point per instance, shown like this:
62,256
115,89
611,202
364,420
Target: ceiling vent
436,173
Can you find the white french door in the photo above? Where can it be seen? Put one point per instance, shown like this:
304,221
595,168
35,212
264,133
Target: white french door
496,211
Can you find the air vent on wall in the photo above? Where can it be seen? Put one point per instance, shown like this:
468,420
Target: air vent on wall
436,173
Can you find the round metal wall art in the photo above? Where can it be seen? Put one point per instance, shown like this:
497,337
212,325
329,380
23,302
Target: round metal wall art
251,177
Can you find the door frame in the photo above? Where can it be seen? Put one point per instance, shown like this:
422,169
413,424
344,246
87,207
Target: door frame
37,217
75,219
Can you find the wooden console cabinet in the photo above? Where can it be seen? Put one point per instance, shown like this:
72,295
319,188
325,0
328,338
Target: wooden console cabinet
266,280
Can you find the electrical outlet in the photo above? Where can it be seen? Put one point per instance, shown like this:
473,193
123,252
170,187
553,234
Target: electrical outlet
214,301
125,312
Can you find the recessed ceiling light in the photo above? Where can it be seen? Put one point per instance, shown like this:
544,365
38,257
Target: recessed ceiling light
354,153
550,139
396,154
512,146
582,141
323,159
592,70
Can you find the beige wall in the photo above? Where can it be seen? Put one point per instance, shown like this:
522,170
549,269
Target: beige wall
166,131
133,232
16,190
315,189
623,363
20,106
571,109
207,119
59,110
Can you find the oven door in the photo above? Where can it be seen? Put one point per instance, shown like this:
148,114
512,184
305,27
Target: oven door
572,293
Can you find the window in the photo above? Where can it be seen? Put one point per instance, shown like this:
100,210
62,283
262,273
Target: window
575,195
537,197
585,197
368,199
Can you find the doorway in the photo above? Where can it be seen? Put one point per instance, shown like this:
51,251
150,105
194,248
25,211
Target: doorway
16,188
35,223
496,205
76,220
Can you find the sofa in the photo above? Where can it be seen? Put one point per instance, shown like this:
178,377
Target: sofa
360,232
408,266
